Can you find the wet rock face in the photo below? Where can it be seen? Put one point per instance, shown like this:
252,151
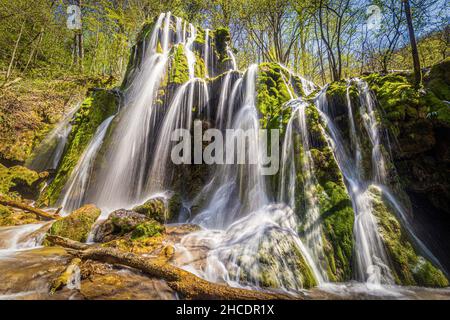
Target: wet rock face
119,222
77,225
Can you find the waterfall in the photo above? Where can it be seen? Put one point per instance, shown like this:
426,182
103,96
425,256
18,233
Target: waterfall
221,107
233,59
74,192
179,116
310,221
206,57
48,153
242,228
179,30
372,127
123,181
190,55
372,264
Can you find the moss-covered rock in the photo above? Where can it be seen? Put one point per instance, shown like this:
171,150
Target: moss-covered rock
98,106
409,268
77,225
272,94
148,229
268,267
19,181
154,208
438,80
336,209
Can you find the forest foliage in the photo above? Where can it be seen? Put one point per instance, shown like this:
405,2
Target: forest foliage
323,39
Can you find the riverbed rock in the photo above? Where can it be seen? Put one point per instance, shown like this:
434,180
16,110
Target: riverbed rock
154,208
119,222
77,225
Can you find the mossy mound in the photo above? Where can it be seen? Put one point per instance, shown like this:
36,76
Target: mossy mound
154,208
148,229
272,94
268,267
98,106
409,268
77,225
19,181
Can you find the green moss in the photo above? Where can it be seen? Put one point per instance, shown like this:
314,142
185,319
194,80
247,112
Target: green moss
272,95
148,229
222,39
409,268
18,180
199,67
179,71
77,225
154,208
94,110
438,80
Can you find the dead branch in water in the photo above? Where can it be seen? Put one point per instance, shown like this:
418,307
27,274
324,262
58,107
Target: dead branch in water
24,206
188,285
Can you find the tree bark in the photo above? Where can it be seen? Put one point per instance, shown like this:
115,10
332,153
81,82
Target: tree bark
23,206
11,63
412,40
185,283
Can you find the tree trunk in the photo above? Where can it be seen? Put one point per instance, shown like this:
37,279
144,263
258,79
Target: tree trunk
412,40
188,285
11,63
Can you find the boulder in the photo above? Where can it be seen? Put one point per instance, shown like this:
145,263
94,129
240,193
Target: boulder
154,208
118,223
77,225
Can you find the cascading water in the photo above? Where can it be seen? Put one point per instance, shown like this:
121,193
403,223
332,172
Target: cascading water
190,55
179,116
372,127
249,241
124,180
372,264
287,190
50,150
233,59
206,51
74,193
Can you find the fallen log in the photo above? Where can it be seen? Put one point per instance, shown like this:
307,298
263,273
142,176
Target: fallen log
188,285
24,206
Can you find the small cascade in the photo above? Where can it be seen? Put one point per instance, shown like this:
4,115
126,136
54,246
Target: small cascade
180,116
310,222
206,51
221,108
372,264
22,237
74,192
370,122
190,55
307,86
179,30
233,59
354,140
49,152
